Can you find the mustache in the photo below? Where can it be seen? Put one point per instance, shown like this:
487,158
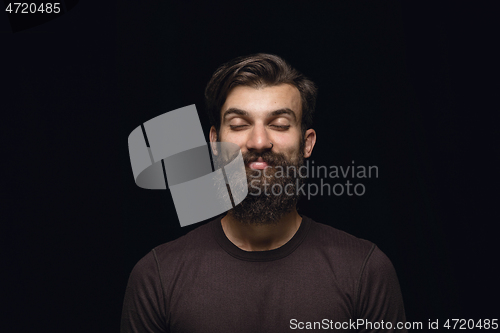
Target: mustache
269,157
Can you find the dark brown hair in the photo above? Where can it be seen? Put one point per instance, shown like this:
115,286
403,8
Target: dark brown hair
258,70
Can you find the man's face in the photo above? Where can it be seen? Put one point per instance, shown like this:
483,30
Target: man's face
253,119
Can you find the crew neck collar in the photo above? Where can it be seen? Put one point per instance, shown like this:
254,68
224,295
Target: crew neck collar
269,255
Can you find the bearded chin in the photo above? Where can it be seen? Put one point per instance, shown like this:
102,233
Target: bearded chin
271,195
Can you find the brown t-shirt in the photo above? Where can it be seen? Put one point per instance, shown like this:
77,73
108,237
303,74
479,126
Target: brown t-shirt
323,279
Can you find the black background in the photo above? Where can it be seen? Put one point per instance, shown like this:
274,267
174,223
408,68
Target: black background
410,88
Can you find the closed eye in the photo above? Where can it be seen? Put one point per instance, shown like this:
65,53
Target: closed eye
281,127
234,127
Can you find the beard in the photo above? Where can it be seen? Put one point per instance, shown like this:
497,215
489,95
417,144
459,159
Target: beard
272,192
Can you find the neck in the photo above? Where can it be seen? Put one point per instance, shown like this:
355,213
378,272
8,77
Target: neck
261,237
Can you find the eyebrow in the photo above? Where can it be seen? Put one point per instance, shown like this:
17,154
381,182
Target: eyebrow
270,114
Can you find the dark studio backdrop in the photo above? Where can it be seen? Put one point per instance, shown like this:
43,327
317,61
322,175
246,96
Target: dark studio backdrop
406,87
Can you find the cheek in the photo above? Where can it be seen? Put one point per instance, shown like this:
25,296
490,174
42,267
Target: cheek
291,151
289,144
236,138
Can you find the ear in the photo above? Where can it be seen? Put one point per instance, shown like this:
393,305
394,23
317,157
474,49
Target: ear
213,140
310,141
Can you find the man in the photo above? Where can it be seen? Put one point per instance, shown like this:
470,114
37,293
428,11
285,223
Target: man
263,267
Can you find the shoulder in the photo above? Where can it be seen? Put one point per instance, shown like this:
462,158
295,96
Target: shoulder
378,268
191,244
167,257
339,242
358,256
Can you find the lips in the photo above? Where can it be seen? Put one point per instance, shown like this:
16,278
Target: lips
260,164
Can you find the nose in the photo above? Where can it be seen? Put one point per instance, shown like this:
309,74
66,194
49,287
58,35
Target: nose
259,140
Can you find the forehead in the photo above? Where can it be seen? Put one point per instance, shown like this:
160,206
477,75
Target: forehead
263,100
